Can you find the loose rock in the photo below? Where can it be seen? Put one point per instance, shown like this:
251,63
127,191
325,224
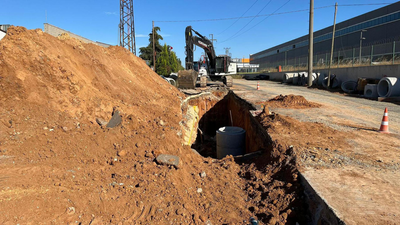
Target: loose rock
122,153
115,120
164,159
101,122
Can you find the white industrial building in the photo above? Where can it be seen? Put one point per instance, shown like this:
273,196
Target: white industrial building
3,30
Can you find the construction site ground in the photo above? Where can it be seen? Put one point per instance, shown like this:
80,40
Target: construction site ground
91,135
352,166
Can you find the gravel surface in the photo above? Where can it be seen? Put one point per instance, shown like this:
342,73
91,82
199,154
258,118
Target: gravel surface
349,112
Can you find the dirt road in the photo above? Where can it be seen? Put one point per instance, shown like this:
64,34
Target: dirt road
337,107
358,179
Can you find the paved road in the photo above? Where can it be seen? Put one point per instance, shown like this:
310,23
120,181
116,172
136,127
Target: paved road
337,107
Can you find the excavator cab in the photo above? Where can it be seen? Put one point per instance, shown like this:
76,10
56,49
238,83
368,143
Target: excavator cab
222,64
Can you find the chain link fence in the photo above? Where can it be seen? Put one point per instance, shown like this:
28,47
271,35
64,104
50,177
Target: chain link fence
379,54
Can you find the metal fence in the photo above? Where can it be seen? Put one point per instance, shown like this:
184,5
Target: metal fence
379,54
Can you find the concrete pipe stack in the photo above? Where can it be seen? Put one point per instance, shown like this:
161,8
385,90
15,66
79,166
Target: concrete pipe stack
371,91
335,82
295,78
349,86
389,87
288,78
304,78
321,79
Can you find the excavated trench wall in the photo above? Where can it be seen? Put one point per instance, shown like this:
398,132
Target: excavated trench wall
209,111
230,110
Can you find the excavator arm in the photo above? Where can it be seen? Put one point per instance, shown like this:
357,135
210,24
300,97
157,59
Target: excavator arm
217,66
195,38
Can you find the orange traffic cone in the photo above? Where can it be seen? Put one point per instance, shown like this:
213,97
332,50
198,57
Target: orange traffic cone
385,123
258,86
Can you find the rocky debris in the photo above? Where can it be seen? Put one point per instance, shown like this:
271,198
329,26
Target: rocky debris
203,174
122,153
165,159
101,121
199,190
70,210
115,120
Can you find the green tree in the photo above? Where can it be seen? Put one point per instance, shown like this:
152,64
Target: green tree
146,53
163,66
166,60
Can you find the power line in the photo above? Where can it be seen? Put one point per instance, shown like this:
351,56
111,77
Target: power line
258,22
366,4
239,17
250,20
244,17
264,15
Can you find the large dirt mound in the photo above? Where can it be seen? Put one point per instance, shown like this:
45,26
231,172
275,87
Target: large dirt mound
83,80
58,165
290,101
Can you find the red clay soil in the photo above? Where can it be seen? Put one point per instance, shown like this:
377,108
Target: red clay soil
289,101
58,166
302,134
318,145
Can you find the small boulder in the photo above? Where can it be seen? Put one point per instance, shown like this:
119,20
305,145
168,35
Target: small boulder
101,122
165,159
122,153
115,120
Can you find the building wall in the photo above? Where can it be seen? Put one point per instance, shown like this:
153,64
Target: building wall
351,73
56,31
381,24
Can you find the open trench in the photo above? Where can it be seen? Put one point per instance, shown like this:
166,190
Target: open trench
278,192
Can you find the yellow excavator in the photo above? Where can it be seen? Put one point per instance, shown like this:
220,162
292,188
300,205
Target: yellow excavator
217,68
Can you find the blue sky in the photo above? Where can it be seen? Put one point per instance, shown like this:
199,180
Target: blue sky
98,20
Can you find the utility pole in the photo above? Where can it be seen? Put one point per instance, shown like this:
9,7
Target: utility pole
311,44
227,51
333,42
212,39
361,39
154,50
127,26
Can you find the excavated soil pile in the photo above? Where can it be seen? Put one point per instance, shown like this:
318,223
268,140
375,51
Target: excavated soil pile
302,134
315,144
59,166
290,101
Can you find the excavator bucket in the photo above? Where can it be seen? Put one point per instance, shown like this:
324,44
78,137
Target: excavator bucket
187,79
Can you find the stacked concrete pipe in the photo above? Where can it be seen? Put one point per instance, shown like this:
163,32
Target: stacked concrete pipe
349,86
389,87
288,77
295,78
371,91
